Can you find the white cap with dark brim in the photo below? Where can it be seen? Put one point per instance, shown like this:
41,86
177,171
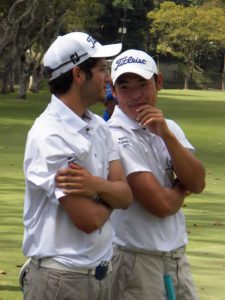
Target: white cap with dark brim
72,49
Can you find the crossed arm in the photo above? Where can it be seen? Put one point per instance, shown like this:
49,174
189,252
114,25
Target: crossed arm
89,200
187,167
157,199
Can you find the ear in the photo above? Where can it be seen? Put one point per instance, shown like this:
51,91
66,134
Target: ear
78,75
113,90
159,81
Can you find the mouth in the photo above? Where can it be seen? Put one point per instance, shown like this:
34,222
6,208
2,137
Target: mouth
137,105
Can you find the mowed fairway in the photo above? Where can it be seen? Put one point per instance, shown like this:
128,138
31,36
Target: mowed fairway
202,116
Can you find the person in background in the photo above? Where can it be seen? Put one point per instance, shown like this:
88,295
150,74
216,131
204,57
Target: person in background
110,103
67,233
149,261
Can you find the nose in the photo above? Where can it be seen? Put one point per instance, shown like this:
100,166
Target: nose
107,76
136,94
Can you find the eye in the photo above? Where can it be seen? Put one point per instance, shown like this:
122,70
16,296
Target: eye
123,86
144,83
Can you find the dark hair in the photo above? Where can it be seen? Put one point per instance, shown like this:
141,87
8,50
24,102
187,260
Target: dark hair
63,83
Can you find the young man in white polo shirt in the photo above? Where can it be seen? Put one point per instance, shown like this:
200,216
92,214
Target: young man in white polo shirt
69,236
150,236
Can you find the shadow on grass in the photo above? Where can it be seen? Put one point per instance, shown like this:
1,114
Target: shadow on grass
169,95
10,288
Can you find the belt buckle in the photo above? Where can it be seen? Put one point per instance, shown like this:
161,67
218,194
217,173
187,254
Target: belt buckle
101,270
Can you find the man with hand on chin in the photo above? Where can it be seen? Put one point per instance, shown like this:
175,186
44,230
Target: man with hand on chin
149,261
150,236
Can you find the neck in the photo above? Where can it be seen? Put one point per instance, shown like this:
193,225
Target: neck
74,102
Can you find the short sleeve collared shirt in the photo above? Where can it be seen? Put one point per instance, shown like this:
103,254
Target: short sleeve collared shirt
142,151
57,137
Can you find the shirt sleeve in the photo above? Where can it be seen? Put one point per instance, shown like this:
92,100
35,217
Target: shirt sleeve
113,150
131,154
45,155
178,132
109,143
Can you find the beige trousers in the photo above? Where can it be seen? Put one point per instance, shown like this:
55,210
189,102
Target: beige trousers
48,284
140,276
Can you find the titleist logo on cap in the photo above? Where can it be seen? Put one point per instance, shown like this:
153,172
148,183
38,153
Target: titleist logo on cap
129,60
91,40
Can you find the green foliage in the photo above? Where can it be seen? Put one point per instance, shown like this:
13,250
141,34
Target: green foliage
123,3
196,2
131,15
83,16
185,32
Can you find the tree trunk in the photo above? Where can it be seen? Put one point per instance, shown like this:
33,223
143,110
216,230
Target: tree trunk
23,83
22,88
24,74
11,81
223,74
186,80
4,89
35,79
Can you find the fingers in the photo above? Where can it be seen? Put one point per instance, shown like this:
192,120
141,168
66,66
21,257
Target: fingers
68,182
75,166
68,172
150,118
147,114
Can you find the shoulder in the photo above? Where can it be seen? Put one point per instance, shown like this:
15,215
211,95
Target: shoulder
179,133
172,124
44,128
174,127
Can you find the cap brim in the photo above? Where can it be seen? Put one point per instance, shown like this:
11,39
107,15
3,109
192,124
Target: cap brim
146,74
108,50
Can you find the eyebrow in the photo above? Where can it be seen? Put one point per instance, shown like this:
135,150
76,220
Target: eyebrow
101,65
121,81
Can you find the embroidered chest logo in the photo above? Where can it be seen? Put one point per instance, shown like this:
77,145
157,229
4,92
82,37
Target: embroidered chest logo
129,60
124,141
91,40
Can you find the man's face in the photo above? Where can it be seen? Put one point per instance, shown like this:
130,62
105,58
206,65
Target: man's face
133,91
94,89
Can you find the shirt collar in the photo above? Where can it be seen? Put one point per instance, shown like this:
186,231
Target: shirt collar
120,118
68,116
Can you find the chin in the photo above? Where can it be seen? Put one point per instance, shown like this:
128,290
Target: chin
132,115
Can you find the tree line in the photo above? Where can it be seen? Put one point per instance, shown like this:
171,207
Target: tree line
191,31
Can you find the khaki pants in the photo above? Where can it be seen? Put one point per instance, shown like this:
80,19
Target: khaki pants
48,284
139,276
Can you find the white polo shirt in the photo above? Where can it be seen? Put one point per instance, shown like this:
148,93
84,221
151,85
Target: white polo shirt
142,151
57,136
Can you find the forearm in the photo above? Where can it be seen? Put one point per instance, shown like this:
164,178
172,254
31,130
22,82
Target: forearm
116,194
167,203
188,169
114,191
175,199
86,214
156,199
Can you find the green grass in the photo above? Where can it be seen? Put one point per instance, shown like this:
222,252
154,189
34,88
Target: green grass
201,115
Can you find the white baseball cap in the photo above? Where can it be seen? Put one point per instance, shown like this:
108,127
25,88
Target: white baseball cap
72,49
133,61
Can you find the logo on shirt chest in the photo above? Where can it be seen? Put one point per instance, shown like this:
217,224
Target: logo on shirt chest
124,141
